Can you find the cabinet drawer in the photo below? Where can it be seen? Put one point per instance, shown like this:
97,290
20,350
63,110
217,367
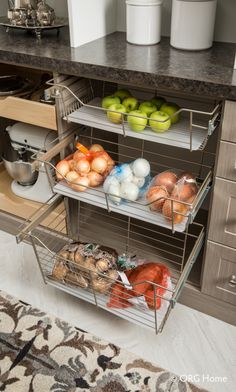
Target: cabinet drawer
223,215
31,112
229,122
220,272
226,166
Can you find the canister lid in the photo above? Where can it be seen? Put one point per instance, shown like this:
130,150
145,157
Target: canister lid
196,1
144,2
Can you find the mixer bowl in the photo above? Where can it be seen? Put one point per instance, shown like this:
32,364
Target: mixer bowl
21,171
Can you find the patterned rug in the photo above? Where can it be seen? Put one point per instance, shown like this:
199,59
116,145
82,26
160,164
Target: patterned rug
41,353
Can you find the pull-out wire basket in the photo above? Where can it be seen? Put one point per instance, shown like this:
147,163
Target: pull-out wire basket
197,123
48,231
121,151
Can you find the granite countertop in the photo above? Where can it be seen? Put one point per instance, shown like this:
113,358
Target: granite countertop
208,72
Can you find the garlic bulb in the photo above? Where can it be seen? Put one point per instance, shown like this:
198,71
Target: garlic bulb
114,193
110,180
141,167
129,191
124,172
139,181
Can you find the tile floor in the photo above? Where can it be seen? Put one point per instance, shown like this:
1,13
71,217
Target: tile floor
191,343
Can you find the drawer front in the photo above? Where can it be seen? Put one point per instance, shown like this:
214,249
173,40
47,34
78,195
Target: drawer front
229,122
30,112
226,166
220,272
223,214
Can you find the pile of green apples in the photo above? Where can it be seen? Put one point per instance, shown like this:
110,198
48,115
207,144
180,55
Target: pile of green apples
157,113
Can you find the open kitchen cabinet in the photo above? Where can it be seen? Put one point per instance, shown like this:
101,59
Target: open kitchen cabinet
131,227
24,98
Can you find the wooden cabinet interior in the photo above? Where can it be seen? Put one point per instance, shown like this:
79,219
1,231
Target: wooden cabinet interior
26,106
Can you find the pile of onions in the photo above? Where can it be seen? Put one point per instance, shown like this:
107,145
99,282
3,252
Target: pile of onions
182,188
85,170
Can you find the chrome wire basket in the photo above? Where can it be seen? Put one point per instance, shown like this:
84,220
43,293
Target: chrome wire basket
48,232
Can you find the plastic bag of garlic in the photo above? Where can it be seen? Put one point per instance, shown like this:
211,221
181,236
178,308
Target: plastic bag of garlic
128,181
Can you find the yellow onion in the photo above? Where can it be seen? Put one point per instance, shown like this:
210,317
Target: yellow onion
167,179
157,196
80,184
82,166
109,160
78,155
96,148
72,164
183,192
63,168
95,179
72,175
178,209
99,165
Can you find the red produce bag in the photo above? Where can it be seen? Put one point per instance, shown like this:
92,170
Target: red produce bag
141,279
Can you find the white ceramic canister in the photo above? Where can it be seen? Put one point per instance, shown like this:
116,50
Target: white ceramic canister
192,24
143,21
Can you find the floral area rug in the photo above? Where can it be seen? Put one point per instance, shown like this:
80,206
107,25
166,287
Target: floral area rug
41,353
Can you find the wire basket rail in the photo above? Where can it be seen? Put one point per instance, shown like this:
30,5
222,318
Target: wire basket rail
191,132
178,252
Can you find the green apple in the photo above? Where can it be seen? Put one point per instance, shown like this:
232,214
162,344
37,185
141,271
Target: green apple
110,100
170,109
117,116
148,108
158,101
122,94
137,124
130,103
159,126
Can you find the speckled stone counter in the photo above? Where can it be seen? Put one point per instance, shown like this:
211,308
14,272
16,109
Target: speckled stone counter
111,58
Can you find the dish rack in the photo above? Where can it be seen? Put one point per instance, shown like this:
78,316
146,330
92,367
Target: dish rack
191,132
48,233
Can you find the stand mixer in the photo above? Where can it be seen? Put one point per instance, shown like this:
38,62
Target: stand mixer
25,140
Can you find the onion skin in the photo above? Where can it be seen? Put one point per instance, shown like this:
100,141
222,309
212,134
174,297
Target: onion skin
80,184
177,207
95,179
184,192
186,176
154,193
99,165
167,179
72,164
109,160
96,148
82,166
107,172
63,168
72,176
78,155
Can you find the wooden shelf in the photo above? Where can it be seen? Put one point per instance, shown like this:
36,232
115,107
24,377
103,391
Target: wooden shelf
30,112
11,203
